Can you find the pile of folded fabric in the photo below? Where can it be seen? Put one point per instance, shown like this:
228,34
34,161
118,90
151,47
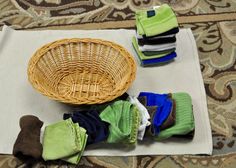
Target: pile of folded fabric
171,115
159,116
155,40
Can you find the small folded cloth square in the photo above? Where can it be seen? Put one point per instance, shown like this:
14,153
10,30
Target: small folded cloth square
165,108
124,120
161,20
64,140
97,130
184,123
28,144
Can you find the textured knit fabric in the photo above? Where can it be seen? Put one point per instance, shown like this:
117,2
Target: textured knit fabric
64,140
74,159
119,117
184,123
163,20
151,53
28,144
97,130
144,117
157,47
136,119
167,40
169,33
144,57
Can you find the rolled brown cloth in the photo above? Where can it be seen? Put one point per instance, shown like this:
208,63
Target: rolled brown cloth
28,144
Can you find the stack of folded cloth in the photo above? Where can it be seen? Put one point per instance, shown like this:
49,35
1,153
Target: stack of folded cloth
171,114
160,116
155,40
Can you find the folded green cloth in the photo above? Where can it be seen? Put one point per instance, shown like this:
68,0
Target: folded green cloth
123,120
184,122
142,56
163,20
74,159
64,140
136,119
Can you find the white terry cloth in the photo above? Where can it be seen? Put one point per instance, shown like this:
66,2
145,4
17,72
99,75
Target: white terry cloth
155,38
18,97
157,47
144,116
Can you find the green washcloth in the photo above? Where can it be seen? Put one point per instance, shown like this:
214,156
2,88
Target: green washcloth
136,119
141,55
119,117
163,20
184,122
64,140
74,159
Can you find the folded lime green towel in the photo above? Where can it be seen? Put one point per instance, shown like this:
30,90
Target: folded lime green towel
64,140
184,122
163,20
136,120
124,122
141,55
74,159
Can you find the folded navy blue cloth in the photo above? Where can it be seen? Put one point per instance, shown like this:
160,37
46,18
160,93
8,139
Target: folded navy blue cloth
96,129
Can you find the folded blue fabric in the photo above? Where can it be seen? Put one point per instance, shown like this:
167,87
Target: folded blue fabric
97,130
161,115
160,60
154,99
164,105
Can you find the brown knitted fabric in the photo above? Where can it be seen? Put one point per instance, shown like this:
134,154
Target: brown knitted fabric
28,140
170,121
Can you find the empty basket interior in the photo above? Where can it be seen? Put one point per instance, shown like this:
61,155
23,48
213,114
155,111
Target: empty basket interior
81,69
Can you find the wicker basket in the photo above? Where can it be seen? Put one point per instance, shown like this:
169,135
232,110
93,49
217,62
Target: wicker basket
82,71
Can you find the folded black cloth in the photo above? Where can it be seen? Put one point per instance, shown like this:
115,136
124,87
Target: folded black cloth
170,32
153,41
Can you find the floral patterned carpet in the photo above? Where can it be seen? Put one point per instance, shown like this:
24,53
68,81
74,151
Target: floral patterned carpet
213,23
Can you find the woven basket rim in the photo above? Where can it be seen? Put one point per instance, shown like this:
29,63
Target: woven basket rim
79,100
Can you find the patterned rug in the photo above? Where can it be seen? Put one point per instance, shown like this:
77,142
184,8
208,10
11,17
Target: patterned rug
213,23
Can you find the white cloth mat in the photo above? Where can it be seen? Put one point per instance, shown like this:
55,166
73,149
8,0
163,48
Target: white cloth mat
18,98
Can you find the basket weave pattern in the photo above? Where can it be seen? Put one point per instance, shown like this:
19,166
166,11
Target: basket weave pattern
82,71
